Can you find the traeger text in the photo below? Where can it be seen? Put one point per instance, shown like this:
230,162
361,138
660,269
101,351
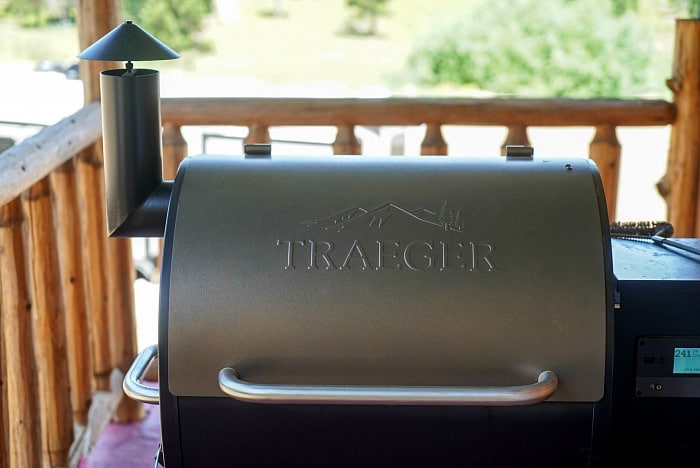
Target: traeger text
417,255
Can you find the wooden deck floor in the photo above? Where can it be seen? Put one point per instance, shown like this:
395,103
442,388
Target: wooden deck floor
132,445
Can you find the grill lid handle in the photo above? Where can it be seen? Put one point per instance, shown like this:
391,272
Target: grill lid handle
529,394
133,388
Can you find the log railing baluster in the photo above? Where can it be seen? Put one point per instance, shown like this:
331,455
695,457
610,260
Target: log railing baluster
74,290
23,444
605,152
346,141
94,235
49,326
174,150
433,143
517,135
258,133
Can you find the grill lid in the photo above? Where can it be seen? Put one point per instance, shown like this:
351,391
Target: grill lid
386,271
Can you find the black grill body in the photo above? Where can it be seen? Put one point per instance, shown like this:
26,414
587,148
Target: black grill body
425,273
654,411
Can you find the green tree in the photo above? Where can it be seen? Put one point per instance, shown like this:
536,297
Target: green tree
579,48
36,13
365,14
688,8
174,22
620,7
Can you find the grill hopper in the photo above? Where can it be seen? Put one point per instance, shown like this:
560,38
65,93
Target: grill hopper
317,280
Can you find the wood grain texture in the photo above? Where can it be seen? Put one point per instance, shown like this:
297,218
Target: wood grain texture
605,151
680,183
34,158
94,235
49,325
73,283
22,411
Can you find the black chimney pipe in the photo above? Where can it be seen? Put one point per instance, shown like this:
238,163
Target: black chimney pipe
136,195
137,198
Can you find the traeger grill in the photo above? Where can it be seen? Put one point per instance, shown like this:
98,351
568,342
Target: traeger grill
379,311
372,312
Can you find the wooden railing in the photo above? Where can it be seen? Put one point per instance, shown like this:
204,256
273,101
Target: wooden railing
605,115
66,321
66,302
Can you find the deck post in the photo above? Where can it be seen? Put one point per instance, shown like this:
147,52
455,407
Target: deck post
679,186
605,152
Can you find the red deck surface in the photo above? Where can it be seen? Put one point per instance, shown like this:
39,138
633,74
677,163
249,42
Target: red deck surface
132,445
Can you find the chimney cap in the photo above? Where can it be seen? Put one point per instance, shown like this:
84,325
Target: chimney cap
128,42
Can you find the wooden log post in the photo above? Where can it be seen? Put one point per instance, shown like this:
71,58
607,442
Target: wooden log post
257,134
70,248
22,398
605,152
433,143
95,18
345,141
679,186
49,326
94,236
174,150
517,135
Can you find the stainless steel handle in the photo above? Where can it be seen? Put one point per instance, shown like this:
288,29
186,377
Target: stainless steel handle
132,385
232,385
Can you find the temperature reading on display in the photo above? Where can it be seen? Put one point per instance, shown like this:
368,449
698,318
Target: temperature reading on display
686,361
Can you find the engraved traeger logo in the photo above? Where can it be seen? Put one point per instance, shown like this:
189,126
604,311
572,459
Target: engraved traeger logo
384,254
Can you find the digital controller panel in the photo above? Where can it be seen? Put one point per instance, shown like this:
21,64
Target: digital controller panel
668,366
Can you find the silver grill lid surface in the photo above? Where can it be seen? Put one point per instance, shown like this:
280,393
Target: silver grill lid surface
412,271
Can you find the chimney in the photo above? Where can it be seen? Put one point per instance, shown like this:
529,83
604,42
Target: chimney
137,197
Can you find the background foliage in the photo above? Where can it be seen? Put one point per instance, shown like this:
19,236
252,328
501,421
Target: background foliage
578,48
35,13
364,15
570,48
175,22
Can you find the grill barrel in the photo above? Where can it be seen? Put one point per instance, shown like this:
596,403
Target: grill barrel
383,277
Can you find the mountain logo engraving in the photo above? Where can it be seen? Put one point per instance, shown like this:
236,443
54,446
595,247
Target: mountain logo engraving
446,218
